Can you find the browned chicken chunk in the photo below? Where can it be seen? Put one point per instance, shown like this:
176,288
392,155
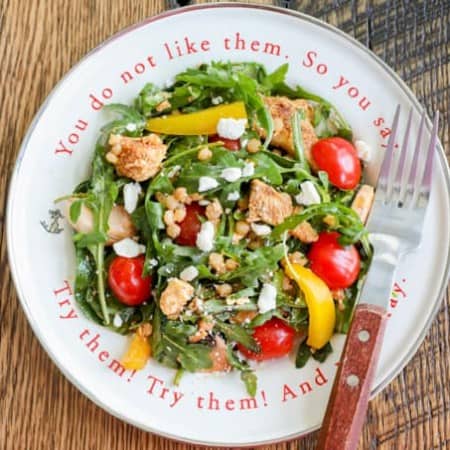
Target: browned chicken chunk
268,205
282,110
362,203
304,232
136,158
174,297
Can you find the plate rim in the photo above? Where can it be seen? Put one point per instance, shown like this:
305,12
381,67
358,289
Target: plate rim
15,175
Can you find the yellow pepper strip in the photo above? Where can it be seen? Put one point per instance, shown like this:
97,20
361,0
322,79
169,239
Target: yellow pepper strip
199,122
322,313
138,353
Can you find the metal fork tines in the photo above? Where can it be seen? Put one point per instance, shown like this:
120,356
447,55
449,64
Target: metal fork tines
396,221
390,189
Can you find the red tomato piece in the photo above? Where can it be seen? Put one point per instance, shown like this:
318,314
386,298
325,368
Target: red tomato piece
339,159
126,281
230,144
336,265
190,226
275,337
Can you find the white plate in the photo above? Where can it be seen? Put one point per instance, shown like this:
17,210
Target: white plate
55,156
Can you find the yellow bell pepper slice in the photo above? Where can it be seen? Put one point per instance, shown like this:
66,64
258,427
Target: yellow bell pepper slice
138,353
197,123
322,313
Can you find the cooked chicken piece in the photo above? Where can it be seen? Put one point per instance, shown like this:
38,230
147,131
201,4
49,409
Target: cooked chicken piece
268,205
136,158
174,297
219,357
304,232
362,203
204,327
244,316
282,109
119,222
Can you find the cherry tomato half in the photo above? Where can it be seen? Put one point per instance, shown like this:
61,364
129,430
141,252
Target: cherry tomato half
230,144
338,266
126,281
338,158
190,226
275,338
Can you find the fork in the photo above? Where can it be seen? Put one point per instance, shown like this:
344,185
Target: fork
395,227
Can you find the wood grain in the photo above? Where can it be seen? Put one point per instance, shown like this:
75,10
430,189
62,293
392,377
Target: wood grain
39,41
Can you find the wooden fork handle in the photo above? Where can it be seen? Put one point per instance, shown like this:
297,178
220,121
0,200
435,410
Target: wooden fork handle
347,406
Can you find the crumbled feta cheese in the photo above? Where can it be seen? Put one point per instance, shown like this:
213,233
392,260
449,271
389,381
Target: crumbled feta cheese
204,202
231,128
173,171
261,229
131,192
217,100
189,273
131,127
231,174
248,170
363,150
117,321
205,237
206,183
309,195
244,143
153,262
267,299
227,210
169,82
233,196
128,248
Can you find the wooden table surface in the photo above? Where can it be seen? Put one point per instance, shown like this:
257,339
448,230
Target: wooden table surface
39,41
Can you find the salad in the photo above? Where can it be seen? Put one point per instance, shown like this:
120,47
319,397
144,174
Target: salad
223,222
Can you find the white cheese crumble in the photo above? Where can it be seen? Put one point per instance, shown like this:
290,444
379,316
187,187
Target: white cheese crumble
231,128
217,100
128,248
364,150
309,195
267,299
153,262
231,174
206,183
233,196
248,170
117,321
189,273
131,127
204,202
169,82
260,229
205,237
131,192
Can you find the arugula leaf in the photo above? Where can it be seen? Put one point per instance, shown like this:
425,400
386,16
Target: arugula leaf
216,306
251,382
247,375
350,224
322,354
75,210
303,355
299,145
235,332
